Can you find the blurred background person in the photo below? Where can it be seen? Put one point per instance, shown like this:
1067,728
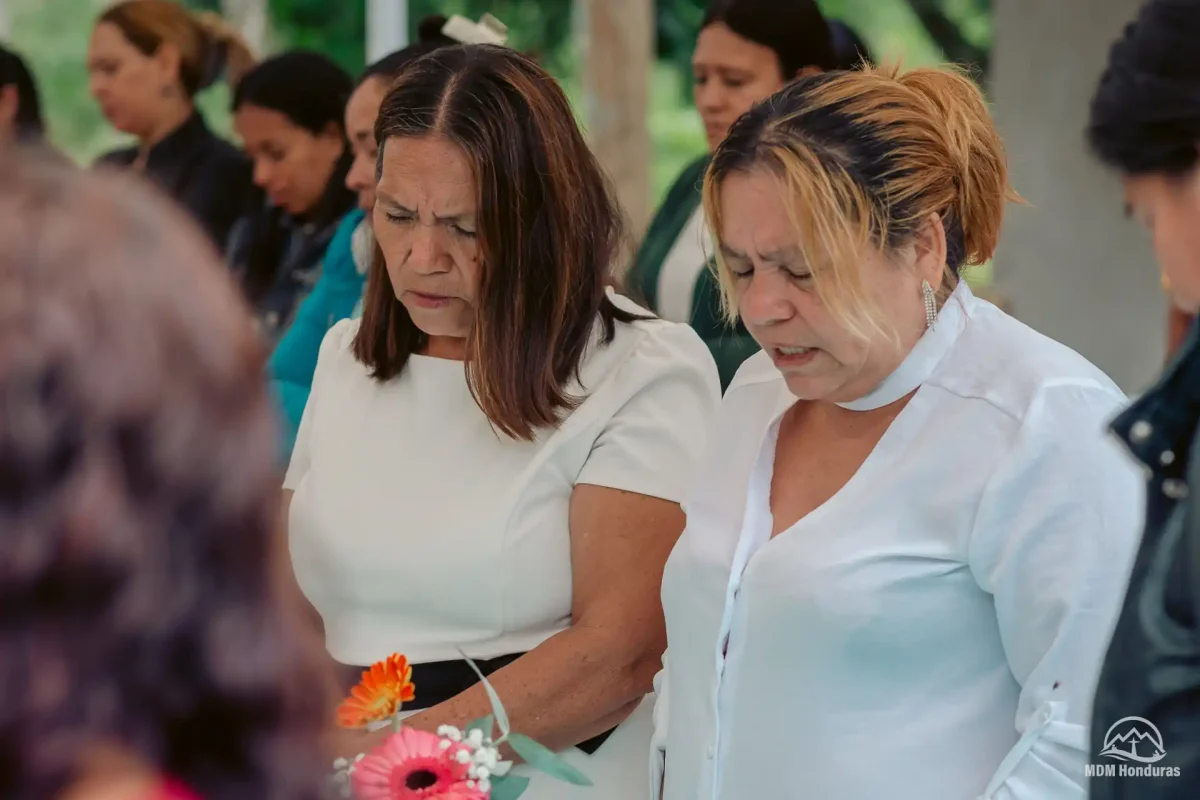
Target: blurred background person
1145,125
500,421
20,106
147,60
747,50
338,291
145,650
289,114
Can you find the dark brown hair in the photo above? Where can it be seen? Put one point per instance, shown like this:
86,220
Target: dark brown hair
208,46
138,500
547,224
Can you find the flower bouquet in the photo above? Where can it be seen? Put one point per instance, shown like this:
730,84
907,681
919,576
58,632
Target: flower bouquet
452,764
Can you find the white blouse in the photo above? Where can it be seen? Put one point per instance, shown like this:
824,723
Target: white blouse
416,528
934,630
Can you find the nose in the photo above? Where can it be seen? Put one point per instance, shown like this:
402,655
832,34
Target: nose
764,301
426,253
709,96
96,85
263,173
361,175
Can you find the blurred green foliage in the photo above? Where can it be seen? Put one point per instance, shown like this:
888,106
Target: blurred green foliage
53,35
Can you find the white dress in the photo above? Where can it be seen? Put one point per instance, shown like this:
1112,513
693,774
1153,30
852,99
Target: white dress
934,630
416,528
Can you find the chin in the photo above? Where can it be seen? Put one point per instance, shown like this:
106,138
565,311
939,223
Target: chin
810,388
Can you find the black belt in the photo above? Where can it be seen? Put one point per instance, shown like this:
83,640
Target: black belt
438,681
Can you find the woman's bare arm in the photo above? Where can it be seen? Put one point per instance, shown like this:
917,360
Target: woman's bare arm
588,678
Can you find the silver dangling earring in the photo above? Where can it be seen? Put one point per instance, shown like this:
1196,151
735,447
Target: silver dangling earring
930,299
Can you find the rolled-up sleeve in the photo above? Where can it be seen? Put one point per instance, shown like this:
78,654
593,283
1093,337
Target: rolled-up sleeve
1053,541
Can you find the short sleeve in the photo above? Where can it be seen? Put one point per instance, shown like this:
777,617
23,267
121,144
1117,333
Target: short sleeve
335,344
1053,543
657,436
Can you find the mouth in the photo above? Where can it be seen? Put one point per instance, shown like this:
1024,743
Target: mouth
716,130
793,356
427,300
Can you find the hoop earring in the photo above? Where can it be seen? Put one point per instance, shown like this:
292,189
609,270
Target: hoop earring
930,301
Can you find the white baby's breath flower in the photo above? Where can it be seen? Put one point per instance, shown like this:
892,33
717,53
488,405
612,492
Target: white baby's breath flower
487,756
445,744
463,757
450,732
485,785
475,738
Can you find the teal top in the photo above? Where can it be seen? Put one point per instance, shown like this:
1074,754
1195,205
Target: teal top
333,298
729,344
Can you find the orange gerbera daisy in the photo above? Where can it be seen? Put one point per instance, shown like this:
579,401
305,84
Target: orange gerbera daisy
379,694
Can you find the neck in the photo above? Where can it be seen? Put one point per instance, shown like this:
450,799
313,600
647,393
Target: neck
448,347
170,121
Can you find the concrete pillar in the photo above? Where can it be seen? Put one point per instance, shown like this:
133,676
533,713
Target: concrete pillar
387,27
618,57
1073,267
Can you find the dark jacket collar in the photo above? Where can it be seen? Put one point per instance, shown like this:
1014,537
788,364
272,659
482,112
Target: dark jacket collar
1160,426
179,145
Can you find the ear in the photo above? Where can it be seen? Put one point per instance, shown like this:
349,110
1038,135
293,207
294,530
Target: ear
9,104
169,62
929,250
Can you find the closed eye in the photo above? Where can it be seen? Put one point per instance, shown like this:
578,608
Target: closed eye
396,218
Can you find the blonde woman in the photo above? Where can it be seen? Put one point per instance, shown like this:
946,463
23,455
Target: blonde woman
147,61
907,545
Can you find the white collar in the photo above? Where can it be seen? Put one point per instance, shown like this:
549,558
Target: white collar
920,362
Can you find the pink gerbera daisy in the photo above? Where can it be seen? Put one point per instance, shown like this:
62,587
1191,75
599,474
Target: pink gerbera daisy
412,765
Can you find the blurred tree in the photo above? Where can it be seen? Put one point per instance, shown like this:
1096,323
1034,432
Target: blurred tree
333,27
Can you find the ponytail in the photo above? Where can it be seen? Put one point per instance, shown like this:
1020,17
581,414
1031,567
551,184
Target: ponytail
226,52
975,152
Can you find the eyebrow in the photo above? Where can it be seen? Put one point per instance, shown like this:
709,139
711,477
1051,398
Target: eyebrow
465,216
776,257
731,254
780,256
363,136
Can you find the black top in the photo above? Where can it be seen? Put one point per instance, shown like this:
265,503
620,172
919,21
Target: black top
209,176
1152,669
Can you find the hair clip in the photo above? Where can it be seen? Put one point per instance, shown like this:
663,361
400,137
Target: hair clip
488,30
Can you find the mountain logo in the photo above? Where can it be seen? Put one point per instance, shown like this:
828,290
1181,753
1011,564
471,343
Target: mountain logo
1134,739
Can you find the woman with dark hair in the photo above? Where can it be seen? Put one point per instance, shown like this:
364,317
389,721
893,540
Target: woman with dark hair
747,50
492,456
288,112
339,289
1145,125
147,61
146,650
20,107
906,545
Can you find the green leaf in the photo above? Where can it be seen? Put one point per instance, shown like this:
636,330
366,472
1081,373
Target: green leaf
497,706
542,759
510,787
483,724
